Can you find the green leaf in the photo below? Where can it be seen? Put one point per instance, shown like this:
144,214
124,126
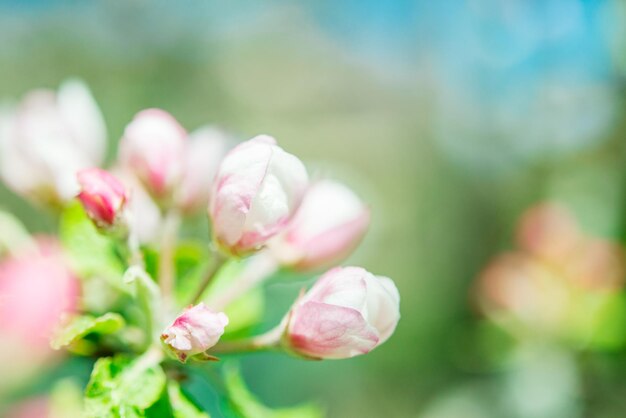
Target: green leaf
124,388
79,326
181,405
91,254
249,406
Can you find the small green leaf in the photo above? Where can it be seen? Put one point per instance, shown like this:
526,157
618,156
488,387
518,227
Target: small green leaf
120,387
79,326
91,254
181,405
249,406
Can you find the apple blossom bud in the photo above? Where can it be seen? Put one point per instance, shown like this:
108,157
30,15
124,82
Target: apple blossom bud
47,138
597,265
550,231
205,149
257,189
329,224
348,312
525,287
194,331
36,289
103,196
144,214
153,148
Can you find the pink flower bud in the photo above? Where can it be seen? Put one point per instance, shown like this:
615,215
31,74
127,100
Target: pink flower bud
348,312
153,148
145,215
205,150
194,331
36,289
49,137
549,231
257,189
329,224
103,196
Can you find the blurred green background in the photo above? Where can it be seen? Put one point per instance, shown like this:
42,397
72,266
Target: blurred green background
449,118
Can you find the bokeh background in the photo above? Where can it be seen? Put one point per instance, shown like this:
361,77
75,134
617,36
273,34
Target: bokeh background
451,118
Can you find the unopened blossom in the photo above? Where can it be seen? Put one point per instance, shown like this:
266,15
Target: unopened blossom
103,196
47,138
194,331
526,288
205,149
153,148
36,289
348,312
550,231
145,217
597,264
327,227
257,190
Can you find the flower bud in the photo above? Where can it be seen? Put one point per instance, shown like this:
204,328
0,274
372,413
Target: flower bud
597,265
348,312
194,331
327,227
103,196
549,231
205,149
144,214
526,288
257,189
36,289
48,138
153,148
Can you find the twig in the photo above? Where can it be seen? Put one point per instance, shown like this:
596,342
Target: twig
169,237
218,262
258,269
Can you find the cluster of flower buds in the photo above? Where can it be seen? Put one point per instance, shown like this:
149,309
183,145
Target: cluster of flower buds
258,197
556,272
261,197
174,167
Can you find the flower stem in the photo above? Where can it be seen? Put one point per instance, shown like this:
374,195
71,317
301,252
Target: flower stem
135,257
267,341
166,271
150,358
218,262
258,269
